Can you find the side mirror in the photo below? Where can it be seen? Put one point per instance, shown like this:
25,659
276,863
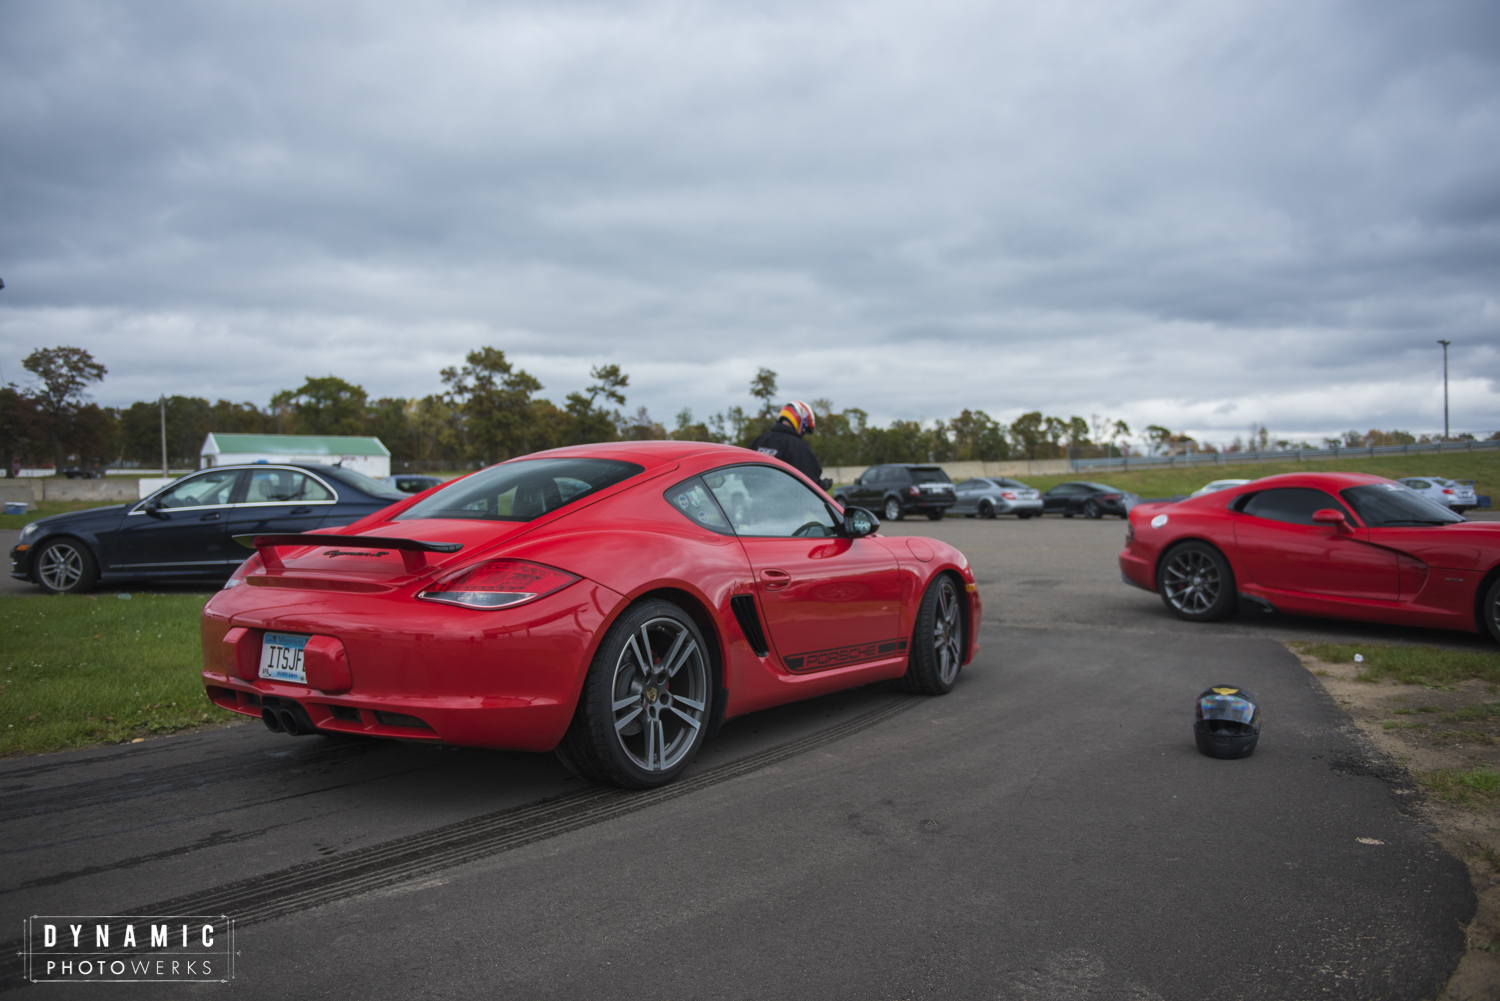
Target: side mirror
858,522
1328,516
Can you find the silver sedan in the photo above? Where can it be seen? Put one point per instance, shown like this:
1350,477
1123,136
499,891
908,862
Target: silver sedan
1452,494
989,496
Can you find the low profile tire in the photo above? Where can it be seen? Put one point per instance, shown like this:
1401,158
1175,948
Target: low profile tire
1196,583
645,706
1091,510
986,510
937,648
893,510
66,567
1491,609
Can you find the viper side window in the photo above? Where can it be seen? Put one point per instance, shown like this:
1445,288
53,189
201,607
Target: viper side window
1291,505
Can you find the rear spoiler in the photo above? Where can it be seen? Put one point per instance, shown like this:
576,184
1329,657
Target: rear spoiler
412,550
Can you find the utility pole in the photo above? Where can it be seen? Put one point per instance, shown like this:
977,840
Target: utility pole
164,436
1445,386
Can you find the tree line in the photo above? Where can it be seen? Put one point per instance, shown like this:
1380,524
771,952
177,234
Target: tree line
490,410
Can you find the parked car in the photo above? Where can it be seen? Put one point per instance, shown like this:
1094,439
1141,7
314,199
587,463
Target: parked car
82,473
600,600
1450,493
988,496
412,483
1216,485
183,530
1092,500
899,490
1345,545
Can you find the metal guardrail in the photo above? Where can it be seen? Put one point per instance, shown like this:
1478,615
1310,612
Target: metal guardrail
1280,455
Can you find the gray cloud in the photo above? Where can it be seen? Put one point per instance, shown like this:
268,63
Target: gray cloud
1198,215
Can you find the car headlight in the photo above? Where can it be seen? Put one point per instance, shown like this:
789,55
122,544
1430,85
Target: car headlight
27,532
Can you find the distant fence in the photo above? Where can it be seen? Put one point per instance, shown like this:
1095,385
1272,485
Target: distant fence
1281,455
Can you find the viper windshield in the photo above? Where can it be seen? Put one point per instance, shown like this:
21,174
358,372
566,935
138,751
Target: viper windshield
521,491
1391,505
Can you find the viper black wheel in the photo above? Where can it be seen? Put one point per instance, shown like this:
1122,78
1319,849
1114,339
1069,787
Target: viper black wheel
1196,583
1491,609
66,566
938,646
893,510
646,703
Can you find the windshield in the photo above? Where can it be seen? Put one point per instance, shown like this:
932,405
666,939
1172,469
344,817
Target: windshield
929,476
359,481
1385,504
521,491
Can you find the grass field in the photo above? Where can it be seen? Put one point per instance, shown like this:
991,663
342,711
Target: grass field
1482,467
1410,665
46,508
80,670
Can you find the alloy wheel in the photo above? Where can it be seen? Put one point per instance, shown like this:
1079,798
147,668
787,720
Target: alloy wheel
892,510
660,694
947,632
1192,582
61,566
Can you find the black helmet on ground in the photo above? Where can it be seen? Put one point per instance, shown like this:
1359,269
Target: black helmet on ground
1227,723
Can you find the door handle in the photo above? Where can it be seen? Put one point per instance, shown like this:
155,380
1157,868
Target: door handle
212,516
775,580
300,510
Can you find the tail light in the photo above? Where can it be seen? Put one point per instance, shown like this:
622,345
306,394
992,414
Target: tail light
915,491
1129,533
498,584
238,577
1110,497
1009,496
1448,492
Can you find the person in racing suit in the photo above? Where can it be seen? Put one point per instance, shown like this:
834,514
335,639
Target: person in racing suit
784,440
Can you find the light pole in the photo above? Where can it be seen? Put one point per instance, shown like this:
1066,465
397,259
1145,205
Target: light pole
1445,386
164,436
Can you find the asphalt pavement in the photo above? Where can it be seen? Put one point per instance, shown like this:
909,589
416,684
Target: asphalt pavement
1045,831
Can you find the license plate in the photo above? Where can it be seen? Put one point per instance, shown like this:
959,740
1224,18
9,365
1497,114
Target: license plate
281,657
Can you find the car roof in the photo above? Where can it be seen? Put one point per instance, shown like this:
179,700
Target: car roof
1317,481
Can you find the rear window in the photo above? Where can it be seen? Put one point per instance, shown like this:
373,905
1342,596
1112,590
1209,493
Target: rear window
521,491
929,476
359,481
1389,504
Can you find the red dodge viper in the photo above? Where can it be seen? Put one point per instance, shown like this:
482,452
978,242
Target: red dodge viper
1344,545
614,603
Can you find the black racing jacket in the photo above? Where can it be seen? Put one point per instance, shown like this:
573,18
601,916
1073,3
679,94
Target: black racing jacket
790,449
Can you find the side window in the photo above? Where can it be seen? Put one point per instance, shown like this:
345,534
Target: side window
1293,505
1418,484
206,490
767,502
285,486
693,501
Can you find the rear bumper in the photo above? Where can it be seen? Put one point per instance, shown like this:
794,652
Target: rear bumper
1016,506
1138,571
416,669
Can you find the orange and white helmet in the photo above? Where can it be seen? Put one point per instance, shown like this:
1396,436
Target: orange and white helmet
800,416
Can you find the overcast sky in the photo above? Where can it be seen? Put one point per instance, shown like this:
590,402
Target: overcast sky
1198,215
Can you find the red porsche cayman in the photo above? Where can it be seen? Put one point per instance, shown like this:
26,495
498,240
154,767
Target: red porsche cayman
614,603
1344,545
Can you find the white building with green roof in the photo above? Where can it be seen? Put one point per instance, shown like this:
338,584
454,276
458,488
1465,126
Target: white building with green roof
367,455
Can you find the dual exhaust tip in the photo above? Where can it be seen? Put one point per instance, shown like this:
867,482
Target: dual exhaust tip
288,718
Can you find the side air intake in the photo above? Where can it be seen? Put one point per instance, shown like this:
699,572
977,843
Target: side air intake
749,620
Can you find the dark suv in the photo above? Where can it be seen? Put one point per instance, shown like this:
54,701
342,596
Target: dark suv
896,491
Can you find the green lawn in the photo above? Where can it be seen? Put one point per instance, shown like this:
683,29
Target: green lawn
46,508
80,670
1410,665
1482,467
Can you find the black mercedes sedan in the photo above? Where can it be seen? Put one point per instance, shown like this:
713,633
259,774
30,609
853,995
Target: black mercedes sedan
185,530
1092,500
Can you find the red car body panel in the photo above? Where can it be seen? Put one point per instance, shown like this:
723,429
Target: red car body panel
1428,576
837,612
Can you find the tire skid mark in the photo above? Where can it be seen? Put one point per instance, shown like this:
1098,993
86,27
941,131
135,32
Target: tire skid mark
312,884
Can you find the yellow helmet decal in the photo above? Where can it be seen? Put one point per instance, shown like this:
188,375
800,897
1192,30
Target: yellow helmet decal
1226,691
